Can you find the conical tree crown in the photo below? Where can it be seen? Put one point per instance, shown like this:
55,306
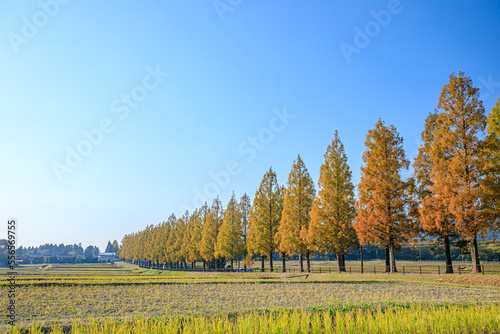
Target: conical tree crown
333,210
230,242
433,212
244,208
494,119
297,201
265,215
382,200
458,155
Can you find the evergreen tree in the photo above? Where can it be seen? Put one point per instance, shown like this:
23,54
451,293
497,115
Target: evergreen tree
109,247
115,246
265,216
90,251
294,224
334,209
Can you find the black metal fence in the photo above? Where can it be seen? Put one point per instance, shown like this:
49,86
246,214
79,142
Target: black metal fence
458,269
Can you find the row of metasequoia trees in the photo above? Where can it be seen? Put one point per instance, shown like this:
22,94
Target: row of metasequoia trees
453,195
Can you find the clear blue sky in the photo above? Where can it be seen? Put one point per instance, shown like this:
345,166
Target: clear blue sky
67,68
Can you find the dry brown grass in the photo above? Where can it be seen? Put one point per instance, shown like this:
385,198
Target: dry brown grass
471,280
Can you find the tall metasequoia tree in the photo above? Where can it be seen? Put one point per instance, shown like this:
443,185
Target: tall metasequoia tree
155,245
204,211
193,237
432,204
334,208
265,216
230,241
208,237
244,208
166,228
125,249
169,240
492,166
210,233
494,119
295,218
181,244
383,197
458,158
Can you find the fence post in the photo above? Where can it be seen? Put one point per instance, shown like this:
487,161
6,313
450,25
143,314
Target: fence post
459,270
350,270
439,271
374,270
403,270
420,270
329,270
482,268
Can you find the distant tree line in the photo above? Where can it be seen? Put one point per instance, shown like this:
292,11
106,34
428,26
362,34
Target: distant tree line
453,196
53,253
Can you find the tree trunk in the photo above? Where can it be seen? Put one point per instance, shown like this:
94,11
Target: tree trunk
308,258
301,262
392,257
387,260
271,261
231,264
474,254
204,265
342,262
283,261
447,252
262,257
361,257
339,262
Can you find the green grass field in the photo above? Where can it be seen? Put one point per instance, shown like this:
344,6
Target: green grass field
123,298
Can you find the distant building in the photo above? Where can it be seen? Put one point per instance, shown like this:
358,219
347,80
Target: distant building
107,257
